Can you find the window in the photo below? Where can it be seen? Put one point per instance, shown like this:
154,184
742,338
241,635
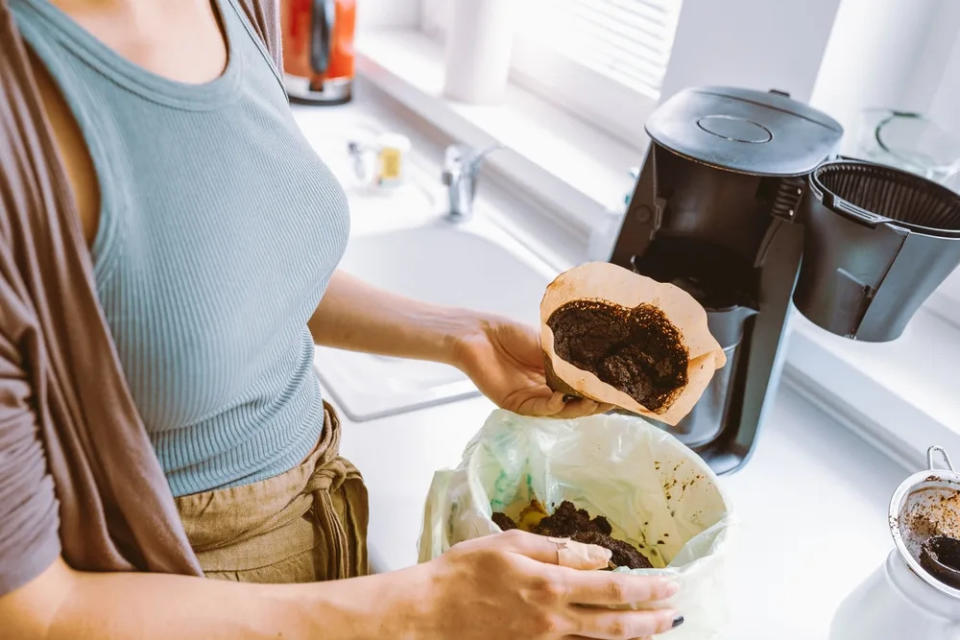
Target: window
602,59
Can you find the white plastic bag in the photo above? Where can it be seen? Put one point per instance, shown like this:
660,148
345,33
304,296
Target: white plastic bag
655,492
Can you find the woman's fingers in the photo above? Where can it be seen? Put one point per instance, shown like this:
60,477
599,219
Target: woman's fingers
605,624
544,404
554,404
577,408
559,405
580,587
568,553
611,588
586,638
519,571
576,555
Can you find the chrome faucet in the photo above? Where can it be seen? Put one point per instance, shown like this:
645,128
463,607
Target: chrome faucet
461,164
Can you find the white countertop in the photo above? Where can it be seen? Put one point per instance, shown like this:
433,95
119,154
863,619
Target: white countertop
811,503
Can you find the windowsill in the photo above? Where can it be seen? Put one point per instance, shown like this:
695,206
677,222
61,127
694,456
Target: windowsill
572,167
945,302
900,396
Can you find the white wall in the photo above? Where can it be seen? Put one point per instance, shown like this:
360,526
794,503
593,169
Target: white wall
840,55
945,106
759,44
891,53
435,16
372,14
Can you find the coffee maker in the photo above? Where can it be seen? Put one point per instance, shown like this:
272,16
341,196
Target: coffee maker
733,197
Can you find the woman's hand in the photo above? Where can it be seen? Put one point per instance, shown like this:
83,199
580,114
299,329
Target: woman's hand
509,586
502,357
504,360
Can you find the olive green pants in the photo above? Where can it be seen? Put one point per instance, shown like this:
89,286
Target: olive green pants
307,524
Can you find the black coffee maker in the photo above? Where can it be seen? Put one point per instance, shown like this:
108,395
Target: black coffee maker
733,196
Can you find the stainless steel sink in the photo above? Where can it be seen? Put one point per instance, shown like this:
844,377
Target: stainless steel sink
475,265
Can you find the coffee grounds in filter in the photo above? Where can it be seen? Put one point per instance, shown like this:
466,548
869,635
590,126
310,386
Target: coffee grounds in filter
636,350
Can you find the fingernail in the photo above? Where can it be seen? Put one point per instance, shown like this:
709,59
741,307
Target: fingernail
677,622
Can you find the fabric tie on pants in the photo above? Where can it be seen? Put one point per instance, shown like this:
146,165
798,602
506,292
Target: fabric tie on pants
304,525
337,489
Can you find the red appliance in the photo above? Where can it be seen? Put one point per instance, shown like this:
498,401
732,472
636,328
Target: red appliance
318,56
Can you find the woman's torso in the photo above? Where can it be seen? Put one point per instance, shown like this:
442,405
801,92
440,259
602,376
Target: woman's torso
218,231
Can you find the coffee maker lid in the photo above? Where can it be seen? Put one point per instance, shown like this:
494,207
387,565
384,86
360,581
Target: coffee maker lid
746,131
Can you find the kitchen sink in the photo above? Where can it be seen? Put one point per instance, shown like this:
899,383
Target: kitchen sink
400,241
475,265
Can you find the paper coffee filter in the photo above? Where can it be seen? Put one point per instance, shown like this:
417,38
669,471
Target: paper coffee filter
606,282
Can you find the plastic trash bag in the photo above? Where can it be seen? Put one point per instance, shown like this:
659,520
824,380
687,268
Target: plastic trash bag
655,492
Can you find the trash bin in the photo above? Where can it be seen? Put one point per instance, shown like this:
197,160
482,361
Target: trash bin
653,490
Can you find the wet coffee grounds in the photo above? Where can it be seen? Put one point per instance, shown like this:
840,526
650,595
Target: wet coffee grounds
941,557
638,351
569,522
503,521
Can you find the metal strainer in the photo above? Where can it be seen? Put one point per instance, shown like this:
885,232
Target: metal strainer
902,599
927,505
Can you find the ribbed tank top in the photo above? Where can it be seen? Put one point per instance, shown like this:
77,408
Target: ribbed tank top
219,230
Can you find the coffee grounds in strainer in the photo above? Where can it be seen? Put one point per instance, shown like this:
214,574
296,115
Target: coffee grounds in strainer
937,516
929,512
941,558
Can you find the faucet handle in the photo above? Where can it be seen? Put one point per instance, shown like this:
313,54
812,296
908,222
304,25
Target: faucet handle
453,163
455,155
461,163
477,157
462,158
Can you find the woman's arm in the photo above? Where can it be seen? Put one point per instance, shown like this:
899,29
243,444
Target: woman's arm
502,357
65,604
500,587
358,316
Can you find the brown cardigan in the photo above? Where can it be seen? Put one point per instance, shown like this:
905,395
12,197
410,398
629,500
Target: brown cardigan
78,476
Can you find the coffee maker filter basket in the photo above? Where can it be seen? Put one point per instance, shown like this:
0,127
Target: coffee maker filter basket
878,241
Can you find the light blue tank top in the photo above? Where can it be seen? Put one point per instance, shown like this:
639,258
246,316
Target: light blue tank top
219,231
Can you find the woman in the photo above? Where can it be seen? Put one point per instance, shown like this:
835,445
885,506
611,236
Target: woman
214,233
